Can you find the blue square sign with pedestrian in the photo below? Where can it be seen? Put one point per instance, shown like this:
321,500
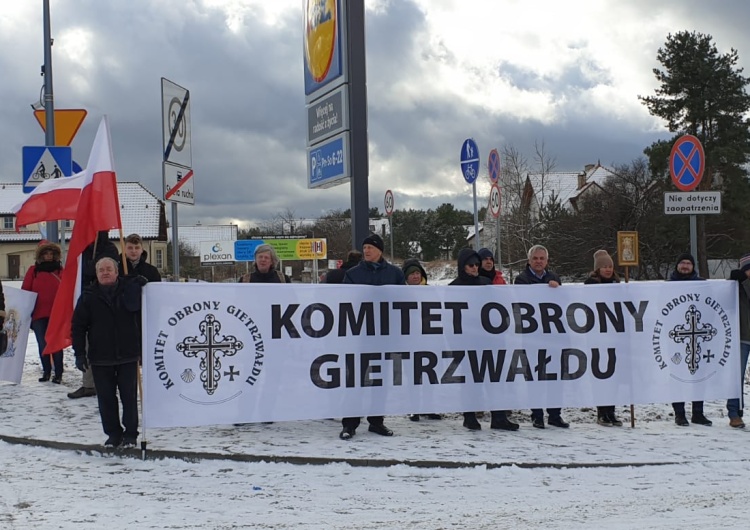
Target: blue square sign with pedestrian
41,163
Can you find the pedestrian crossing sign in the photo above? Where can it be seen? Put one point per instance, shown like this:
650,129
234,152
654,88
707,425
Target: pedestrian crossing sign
42,163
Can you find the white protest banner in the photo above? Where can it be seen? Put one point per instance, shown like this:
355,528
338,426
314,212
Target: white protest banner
220,354
18,307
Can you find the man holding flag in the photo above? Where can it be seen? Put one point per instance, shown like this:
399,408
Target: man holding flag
90,198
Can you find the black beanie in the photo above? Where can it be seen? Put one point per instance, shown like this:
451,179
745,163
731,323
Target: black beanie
686,256
375,240
485,253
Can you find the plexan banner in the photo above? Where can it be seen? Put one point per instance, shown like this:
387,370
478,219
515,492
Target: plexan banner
220,353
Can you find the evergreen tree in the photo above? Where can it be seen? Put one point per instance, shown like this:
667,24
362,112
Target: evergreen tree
703,92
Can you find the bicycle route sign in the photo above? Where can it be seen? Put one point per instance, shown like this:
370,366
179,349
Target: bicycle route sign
687,162
470,160
42,163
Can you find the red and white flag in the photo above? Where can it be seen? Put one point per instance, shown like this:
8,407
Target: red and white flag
98,209
52,200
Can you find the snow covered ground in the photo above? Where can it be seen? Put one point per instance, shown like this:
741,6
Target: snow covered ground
430,475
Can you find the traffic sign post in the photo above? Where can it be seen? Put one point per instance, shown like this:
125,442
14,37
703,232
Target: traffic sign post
493,166
389,204
470,171
686,164
177,162
495,211
42,163
67,123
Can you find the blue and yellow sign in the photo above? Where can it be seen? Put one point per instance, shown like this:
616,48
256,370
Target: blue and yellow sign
324,61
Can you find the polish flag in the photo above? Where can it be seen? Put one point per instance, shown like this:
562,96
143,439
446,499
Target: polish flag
98,209
52,200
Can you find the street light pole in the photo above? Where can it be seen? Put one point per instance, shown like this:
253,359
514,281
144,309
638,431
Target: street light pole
49,104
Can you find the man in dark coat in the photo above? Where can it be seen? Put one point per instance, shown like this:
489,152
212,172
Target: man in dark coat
137,264
101,248
106,334
742,277
337,275
372,270
469,263
684,270
536,272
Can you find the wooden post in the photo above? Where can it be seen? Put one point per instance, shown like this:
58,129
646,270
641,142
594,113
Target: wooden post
632,407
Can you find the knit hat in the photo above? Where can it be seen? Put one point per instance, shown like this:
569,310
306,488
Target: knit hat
485,253
411,269
745,262
375,240
686,256
602,259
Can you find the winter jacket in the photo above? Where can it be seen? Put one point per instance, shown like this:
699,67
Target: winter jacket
495,276
466,279
337,275
43,278
414,262
380,273
142,268
595,279
272,276
110,318
527,277
740,277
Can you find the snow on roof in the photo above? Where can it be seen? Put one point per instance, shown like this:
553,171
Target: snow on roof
139,208
564,184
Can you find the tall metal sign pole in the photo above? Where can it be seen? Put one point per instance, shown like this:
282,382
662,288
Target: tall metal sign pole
336,102
389,204
493,172
470,171
49,103
355,31
177,165
686,164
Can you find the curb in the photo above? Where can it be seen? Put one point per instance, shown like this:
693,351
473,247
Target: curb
191,456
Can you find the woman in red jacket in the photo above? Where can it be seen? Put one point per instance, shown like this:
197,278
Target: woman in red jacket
44,278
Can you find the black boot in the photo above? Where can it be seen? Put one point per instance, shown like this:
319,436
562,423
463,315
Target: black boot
45,377
471,423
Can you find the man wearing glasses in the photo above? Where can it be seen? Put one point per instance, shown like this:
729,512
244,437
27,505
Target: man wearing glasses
536,272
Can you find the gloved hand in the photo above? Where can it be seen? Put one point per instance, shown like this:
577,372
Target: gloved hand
141,280
82,363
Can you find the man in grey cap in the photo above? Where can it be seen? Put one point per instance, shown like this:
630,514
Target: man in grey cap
372,270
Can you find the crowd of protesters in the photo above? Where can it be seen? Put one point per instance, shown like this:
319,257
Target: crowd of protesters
106,321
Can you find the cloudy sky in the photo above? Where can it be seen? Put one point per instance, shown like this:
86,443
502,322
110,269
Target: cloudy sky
501,71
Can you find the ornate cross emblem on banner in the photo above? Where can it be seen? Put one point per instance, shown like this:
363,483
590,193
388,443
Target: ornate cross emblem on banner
212,347
692,333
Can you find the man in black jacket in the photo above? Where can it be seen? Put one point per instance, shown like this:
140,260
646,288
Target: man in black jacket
137,264
536,272
684,270
101,248
106,334
372,270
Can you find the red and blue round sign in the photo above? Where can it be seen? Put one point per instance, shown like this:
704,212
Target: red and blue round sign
493,166
687,162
